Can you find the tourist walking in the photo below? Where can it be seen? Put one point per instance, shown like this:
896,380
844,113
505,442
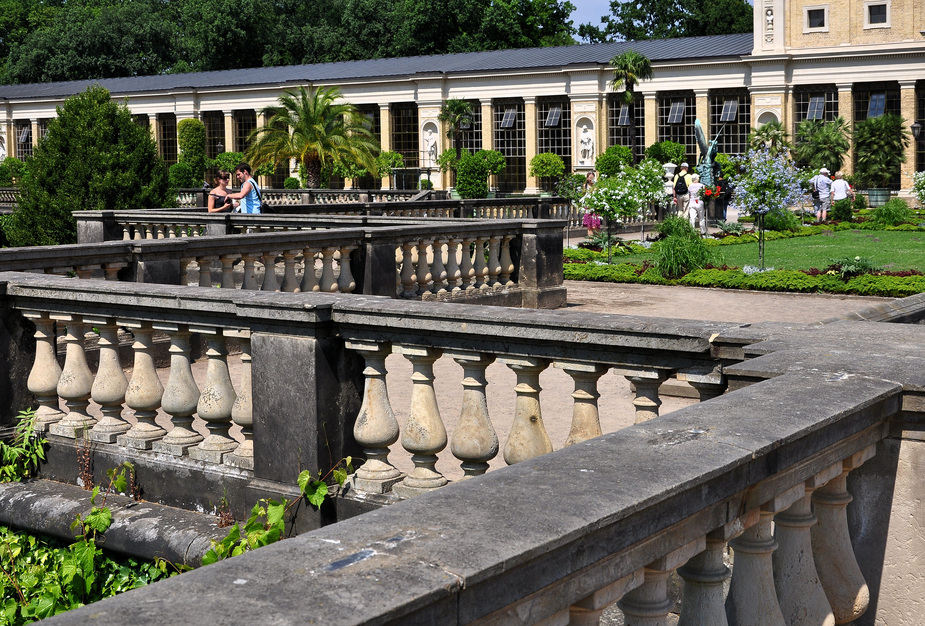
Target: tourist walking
840,188
822,189
219,200
696,212
680,189
250,200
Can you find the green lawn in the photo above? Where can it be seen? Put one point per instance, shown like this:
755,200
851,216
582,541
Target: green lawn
891,250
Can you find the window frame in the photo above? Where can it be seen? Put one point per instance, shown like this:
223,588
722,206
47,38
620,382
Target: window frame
868,4
825,17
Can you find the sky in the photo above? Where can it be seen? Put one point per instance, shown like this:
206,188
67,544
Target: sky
589,11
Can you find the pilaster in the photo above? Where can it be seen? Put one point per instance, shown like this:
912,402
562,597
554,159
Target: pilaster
35,130
228,119
651,121
488,125
385,137
533,183
702,106
263,120
846,111
907,110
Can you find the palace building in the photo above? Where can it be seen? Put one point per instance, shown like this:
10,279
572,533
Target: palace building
805,59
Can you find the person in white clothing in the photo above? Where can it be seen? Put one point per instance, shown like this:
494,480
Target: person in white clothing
696,212
840,188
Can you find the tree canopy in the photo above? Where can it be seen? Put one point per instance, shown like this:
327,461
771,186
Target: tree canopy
633,20
51,40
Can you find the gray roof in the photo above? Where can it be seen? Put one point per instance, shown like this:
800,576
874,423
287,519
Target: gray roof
495,60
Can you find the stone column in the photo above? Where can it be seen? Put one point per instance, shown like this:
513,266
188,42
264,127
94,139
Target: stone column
109,385
345,281
144,391
264,181
532,137
475,442
702,106
646,383
181,397
215,402
385,140
651,113
488,125
45,373
649,604
907,110
704,576
35,133
528,438
376,427
586,422
839,573
228,119
242,411
846,110
75,382
424,434
588,611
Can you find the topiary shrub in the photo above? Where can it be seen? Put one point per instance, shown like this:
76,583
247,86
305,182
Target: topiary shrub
613,160
291,183
191,140
547,166
16,168
93,157
841,210
182,176
472,177
893,213
666,152
425,184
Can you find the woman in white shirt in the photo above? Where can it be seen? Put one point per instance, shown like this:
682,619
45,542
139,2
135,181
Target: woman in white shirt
840,188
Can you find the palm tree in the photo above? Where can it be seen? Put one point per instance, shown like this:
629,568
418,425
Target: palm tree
316,130
457,115
771,136
629,68
823,144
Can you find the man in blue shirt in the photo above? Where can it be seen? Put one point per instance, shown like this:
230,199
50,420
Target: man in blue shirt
249,196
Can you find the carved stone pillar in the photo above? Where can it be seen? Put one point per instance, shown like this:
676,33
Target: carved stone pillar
309,277
649,604
479,264
109,385
704,576
75,382
475,442
424,435
588,611
408,281
180,397
345,280
424,275
453,273
290,284
250,272
227,261
376,427
507,264
586,422
752,600
466,269
270,283
45,373
528,438
439,269
328,283
215,402
494,263
242,412
144,391
647,401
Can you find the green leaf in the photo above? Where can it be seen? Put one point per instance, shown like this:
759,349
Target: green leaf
317,492
120,483
340,475
99,519
305,478
96,492
210,557
275,512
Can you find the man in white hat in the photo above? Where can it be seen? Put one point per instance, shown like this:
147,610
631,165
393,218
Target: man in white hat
681,189
822,193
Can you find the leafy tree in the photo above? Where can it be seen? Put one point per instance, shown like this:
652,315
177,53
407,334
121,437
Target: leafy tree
823,144
182,176
387,162
666,152
635,20
613,160
771,136
548,166
191,139
473,170
225,34
456,114
226,161
316,130
629,68
93,157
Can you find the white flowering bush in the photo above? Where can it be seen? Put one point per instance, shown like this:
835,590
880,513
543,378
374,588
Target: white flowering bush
615,198
918,188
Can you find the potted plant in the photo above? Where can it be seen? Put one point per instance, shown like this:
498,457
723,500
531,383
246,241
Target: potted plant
823,144
546,166
880,145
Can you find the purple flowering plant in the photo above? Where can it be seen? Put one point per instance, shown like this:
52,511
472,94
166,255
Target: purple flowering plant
765,183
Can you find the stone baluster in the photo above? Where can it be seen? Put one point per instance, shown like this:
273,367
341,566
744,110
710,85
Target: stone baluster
424,435
180,397
704,576
494,263
184,270
149,231
205,270
751,600
309,277
528,438
646,383
328,283
127,231
172,231
75,381
45,373
453,273
586,422
423,273
215,402
649,604
290,283
144,390
109,385
184,230
242,412
85,272
588,611
250,272
227,261
799,590
138,234
270,283
376,427
438,268
507,264
475,442
111,271
466,269
841,578
158,231
408,278
480,264
345,280
708,382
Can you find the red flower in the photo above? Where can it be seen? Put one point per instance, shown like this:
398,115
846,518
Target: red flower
709,192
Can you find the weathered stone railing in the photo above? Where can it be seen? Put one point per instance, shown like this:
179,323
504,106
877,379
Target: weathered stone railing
558,536
9,196
283,197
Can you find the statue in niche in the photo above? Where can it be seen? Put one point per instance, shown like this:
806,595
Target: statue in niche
769,19
430,148
586,144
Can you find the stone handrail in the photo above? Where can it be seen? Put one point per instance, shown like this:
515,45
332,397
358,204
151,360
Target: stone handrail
9,196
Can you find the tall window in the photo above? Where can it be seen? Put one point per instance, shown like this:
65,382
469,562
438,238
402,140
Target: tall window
471,140
406,142
43,129
875,99
676,115
214,121
245,121
554,128
618,123
167,137
371,112
815,102
511,140
141,119
730,116
23,130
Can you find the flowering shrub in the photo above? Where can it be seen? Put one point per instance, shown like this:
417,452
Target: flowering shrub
615,198
765,182
918,188
709,193
591,220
